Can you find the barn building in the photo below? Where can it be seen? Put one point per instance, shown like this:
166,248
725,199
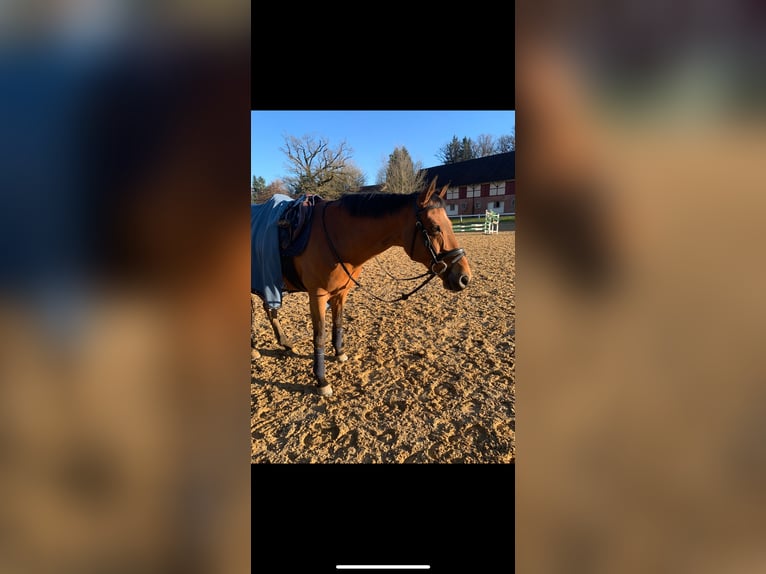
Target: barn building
476,185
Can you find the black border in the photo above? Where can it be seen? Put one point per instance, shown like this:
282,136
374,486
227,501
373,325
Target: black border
455,518
402,62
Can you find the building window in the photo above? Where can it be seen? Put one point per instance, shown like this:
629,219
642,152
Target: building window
477,204
464,205
452,193
473,191
497,188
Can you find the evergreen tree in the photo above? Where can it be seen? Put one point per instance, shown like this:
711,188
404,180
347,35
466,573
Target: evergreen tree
450,153
256,188
466,149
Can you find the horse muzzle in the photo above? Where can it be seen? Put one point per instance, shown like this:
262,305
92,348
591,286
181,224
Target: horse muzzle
459,275
457,280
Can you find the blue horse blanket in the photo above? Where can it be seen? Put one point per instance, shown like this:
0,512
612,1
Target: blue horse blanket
265,264
279,230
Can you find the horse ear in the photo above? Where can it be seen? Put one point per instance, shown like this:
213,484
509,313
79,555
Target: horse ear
425,196
444,191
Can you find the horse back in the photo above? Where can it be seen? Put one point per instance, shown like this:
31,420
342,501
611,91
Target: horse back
317,268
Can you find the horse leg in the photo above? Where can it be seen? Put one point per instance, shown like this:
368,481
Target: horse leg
277,327
254,354
337,326
317,306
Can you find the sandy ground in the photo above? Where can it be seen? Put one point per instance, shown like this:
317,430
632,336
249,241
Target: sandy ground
428,380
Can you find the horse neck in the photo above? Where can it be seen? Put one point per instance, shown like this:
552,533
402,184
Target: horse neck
371,236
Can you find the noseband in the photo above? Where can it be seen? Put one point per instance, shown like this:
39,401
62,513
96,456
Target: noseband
442,261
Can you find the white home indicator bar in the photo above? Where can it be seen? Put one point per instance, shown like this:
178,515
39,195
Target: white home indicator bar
383,567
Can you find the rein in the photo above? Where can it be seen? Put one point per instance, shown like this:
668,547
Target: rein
395,278
437,259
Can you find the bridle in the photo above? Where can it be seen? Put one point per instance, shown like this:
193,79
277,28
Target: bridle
440,261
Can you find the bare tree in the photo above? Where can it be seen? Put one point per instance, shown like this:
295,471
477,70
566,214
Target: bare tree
380,179
402,175
507,142
485,145
312,163
276,186
348,180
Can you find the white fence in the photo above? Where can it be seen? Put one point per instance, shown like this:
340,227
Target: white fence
488,222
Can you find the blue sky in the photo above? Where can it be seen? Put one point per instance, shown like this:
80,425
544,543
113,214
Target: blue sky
371,135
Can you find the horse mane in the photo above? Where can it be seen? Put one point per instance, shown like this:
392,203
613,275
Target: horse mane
376,204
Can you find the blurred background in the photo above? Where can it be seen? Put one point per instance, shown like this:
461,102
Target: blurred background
124,256
124,367
640,309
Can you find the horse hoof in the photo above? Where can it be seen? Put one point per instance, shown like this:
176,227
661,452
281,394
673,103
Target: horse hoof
324,390
343,357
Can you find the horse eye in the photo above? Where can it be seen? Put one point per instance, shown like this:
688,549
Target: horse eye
436,229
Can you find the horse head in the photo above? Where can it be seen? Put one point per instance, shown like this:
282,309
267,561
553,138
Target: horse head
439,249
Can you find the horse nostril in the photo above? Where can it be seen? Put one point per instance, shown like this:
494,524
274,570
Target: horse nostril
464,280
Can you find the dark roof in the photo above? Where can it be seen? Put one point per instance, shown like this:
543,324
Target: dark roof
498,167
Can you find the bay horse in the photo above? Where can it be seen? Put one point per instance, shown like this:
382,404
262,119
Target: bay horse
348,232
